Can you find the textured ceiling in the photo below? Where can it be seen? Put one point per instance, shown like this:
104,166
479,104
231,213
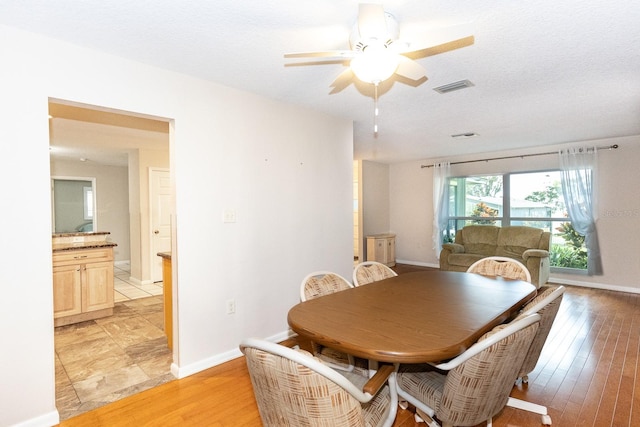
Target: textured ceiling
545,72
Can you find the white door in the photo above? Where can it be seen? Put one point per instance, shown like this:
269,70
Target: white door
160,199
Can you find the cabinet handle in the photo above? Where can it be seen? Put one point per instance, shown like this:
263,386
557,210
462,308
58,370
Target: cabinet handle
80,256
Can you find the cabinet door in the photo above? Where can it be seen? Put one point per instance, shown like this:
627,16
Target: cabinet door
381,251
97,284
67,290
391,251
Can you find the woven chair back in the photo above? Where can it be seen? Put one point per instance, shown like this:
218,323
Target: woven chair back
501,267
369,272
479,388
322,283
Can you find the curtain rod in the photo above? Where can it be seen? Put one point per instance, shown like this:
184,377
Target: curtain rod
608,147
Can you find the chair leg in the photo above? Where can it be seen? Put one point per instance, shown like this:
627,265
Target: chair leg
522,380
530,407
422,417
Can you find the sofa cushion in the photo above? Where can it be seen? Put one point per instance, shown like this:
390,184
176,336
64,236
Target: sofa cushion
513,241
480,240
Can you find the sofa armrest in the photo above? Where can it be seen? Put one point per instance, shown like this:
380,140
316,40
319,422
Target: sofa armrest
448,249
537,262
536,253
454,248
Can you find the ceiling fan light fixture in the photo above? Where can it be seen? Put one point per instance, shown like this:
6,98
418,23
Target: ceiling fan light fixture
375,64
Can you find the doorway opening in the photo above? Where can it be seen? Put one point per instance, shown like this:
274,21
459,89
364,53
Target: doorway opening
104,359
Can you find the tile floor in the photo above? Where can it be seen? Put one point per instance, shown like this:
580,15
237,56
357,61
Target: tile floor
127,290
103,360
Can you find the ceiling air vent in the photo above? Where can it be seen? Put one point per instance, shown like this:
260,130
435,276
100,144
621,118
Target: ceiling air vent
453,86
465,135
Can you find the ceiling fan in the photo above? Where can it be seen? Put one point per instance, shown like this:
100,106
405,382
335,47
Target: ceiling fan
377,53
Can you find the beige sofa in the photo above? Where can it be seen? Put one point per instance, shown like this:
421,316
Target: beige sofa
528,245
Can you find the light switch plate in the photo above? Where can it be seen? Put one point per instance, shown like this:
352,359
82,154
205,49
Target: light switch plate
229,215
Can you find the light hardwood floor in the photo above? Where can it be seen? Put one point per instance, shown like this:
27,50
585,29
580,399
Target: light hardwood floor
587,376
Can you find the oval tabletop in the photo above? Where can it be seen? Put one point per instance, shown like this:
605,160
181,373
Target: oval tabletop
426,316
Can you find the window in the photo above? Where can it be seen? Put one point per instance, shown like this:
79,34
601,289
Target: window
531,199
474,200
88,202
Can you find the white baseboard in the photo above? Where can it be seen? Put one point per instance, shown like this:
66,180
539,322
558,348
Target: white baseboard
210,362
122,262
617,288
201,365
45,420
139,282
417,263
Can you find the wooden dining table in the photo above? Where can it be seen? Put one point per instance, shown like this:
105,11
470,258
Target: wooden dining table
426,316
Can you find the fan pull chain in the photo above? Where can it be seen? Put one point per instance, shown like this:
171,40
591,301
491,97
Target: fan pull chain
375,109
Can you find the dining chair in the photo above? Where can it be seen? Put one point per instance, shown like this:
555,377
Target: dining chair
293,388
546,304
371,271
317,284
498,266
321,283
474,386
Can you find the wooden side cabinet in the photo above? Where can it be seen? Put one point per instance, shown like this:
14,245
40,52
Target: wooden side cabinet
382,248
82,285
167,292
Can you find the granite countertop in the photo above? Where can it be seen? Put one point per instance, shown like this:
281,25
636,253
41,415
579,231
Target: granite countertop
81,245
80,241
85,234
166,255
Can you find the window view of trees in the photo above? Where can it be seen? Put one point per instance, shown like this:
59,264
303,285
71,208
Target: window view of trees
573,254
482,214
531,199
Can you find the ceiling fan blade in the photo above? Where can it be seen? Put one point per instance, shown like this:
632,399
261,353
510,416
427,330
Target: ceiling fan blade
343,80
410,69
436,38
371,21
344,54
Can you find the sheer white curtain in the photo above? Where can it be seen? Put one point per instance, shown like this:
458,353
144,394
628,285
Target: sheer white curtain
579,170
441,173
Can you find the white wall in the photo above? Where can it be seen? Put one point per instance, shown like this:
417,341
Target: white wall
286,171
375,200
112,203
411,189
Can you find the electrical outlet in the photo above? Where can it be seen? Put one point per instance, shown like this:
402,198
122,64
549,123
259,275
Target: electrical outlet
231,306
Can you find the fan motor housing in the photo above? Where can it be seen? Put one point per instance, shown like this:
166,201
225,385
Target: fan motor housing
359,44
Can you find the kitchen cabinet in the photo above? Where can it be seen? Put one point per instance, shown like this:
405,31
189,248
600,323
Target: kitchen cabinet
382,248
82,285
